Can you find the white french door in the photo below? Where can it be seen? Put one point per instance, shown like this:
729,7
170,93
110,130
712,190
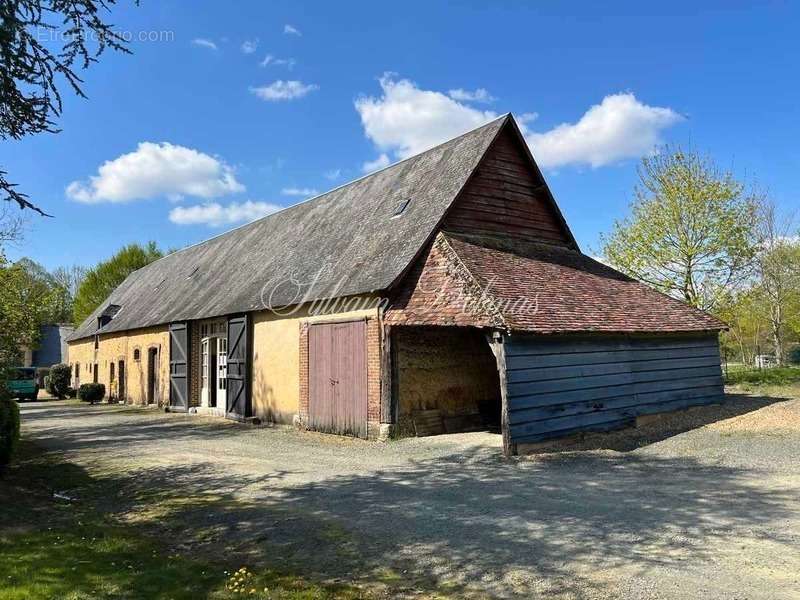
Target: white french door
205,396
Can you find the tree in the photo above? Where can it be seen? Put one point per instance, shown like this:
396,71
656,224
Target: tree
56,299
691,232
743,311
778,271
107,275
10,226
31,69
70,278
23,304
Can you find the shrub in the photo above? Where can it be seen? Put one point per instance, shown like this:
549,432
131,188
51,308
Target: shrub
9,430
59,380
91,392
71,392
773,376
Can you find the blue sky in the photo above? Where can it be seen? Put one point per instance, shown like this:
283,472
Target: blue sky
200,131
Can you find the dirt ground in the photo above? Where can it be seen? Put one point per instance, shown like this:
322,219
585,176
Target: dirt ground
705,504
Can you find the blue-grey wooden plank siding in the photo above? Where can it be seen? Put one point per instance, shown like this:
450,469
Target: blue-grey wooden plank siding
559,386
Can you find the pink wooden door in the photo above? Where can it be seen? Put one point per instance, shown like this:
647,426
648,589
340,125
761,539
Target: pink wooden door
337,365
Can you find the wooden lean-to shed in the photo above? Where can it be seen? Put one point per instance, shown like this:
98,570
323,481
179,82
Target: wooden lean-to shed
443,293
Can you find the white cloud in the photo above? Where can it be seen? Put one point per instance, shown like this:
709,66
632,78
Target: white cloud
479,95
155,170
407,120
374,165
294,191
214,214
283,90
290,30
204,43
619,127
249,46
269,59
333,174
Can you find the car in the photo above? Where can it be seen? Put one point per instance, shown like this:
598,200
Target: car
22,383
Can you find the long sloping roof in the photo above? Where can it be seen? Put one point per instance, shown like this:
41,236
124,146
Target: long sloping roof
551,289
341,243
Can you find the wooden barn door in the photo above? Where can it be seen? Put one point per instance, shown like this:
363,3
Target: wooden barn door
178,366
238,369
338,378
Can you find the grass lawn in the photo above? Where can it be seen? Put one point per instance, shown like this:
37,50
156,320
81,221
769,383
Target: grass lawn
75,549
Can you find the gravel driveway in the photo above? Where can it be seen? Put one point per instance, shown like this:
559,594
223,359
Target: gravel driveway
704,506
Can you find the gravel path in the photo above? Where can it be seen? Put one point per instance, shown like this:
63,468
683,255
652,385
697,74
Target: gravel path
705,505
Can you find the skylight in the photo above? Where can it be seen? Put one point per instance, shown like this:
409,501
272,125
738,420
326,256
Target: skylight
400,207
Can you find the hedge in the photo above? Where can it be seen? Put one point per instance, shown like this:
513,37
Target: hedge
59,380
9,430
91,392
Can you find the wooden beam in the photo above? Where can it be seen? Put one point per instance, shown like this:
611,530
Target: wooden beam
496,339
388,415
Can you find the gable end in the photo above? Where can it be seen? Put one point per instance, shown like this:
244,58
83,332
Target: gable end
507,197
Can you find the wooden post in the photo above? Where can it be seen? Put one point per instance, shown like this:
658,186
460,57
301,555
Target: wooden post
388,415
498,349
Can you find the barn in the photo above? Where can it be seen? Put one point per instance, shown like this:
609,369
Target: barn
443,293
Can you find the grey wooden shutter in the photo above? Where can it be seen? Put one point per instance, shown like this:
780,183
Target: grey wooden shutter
179,366
238,393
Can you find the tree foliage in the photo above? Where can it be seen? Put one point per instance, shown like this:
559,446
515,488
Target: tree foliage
55,299
691,230
764,317
100,281
778,275
31,68
24,303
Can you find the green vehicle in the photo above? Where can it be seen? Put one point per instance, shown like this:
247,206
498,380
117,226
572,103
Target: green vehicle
22,383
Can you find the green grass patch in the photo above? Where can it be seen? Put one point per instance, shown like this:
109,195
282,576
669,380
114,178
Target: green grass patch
76,549
777,376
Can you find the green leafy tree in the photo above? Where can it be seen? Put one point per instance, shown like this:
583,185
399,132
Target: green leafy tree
56,298
778,272
691,232
100,281
748,328
23,306
32,68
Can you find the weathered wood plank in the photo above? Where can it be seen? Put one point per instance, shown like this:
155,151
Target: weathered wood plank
613,424
589,406
524,345
506,196
610,368
602,381
536,400
628,414
524,362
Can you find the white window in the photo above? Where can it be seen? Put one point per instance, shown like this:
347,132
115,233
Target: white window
222,363
204,364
